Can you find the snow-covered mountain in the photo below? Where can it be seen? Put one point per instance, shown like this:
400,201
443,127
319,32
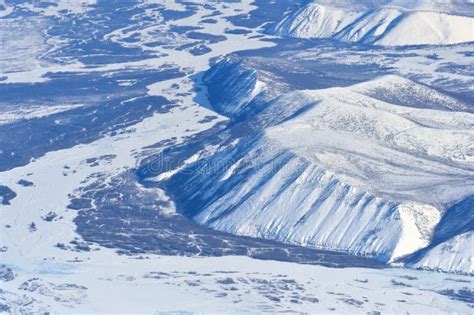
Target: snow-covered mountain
371,169
452,242
392,23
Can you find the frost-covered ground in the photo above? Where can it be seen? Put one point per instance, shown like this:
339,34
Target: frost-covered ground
232,284
93,94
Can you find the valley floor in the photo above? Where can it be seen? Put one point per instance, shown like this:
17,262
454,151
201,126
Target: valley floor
107,283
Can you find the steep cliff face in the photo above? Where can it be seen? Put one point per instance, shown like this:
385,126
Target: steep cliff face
233,88
281,196
395,23
354,169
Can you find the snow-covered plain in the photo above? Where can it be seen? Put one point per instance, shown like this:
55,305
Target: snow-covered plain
46,266
230,284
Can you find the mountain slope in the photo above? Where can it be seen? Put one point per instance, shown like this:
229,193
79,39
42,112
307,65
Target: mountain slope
452,242
453,255
396,23
340,169
400,91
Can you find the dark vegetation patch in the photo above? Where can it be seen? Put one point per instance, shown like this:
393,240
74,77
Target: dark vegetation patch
6,194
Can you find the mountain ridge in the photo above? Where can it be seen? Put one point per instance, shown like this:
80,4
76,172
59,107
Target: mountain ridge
321,194
393,24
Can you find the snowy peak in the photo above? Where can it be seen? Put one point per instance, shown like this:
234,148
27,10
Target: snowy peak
404,92
316,21
397,23
430,28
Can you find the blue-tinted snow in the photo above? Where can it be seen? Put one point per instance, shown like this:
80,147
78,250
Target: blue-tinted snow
107,92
